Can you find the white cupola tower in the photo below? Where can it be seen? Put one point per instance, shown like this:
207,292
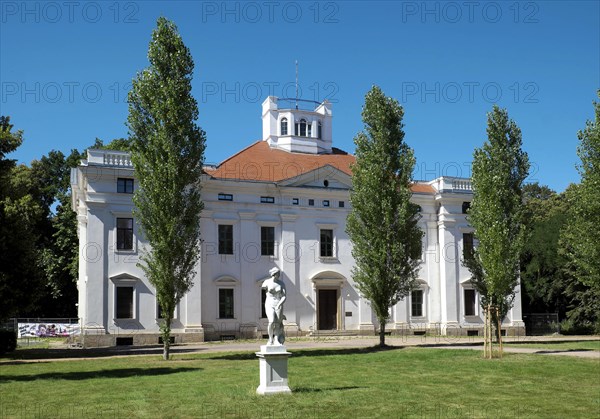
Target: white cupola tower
297,126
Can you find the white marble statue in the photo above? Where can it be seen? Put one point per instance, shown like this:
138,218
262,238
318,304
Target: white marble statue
274,306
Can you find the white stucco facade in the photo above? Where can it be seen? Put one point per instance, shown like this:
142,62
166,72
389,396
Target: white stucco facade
288,196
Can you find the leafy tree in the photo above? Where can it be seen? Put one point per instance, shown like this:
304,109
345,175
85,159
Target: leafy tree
543,279
580,242
383,222
19,213
496,214
120,144
167,154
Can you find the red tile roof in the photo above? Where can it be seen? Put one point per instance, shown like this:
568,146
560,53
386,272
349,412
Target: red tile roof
259,162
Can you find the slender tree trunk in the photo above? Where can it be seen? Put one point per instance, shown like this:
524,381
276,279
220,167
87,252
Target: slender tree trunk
382,333
166,337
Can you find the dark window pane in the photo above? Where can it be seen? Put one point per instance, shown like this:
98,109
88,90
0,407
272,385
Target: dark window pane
267,241
226,303
124,302
124,185
342,204
302,128
267,199
417,303
263,299
319,130
311,202
469,302
326,243
225,197
467,245
284,126
295,201
225,239
124,233
465,207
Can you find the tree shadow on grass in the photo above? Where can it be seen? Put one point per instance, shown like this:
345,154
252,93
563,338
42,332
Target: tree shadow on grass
86,375
312,352
320,390
92,352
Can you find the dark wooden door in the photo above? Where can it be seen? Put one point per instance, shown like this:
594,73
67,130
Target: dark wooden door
327,309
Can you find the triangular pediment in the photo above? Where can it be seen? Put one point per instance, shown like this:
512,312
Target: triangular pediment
325,176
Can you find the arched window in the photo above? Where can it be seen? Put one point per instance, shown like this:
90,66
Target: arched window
284,126
309,130
303,127
319,130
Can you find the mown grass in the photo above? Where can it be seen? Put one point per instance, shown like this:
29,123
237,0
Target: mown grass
409,382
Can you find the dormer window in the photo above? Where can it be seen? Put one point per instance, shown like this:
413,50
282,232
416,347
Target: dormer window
284,126
319,130
301,128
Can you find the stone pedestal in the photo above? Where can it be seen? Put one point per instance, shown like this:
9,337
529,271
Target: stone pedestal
273,360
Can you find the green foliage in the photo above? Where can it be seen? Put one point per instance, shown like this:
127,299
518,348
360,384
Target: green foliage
496,213
8,341
19,214
383,223
167,153
120,144
543,279
580,243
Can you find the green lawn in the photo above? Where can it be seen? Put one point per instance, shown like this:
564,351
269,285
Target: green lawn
410,382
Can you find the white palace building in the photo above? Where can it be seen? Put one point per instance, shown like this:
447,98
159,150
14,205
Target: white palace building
282,201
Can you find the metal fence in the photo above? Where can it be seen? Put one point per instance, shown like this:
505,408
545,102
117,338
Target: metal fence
539,324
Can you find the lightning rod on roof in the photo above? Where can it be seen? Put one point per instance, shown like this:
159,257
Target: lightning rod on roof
296,84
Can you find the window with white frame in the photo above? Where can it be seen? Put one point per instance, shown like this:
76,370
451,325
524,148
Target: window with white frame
284,126
124,185
225,239
124,233
159,311
416,303
470,302
226,305
326,242
124,302
267,241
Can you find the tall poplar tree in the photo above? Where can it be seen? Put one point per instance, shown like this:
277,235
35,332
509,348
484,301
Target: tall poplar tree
580,241
382,224
167,151
496,213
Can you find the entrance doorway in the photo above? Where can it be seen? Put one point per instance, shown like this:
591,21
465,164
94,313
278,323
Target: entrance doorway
327,309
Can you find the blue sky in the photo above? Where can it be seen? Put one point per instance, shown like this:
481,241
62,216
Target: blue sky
66,67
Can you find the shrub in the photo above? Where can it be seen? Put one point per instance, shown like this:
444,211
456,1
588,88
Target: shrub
8,341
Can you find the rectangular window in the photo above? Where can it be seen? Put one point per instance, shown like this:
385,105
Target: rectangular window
326,243
267,199
342,204
295,201
267,241
225,197
225,239
263,300
326,203
467,245
124,302
416,303
226,303
311,202
124,233
469,302
159,312
124,185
